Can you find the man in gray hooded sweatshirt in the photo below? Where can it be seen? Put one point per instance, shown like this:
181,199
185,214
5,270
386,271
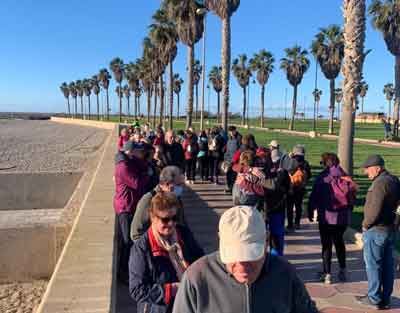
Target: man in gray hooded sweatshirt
242,276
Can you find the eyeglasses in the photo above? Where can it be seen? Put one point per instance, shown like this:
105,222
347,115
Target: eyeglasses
166,220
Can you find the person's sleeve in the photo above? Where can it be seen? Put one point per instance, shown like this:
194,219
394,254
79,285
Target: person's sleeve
374,203
141,219
185,300
129,178
142,288
236,157
312,202
302,302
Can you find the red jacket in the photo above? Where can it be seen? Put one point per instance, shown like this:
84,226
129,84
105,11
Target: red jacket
121,141
130,181
191,148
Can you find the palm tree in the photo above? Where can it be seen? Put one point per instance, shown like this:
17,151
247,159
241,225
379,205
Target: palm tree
65,90
338,98
144,74
74,94
87,89
263,64
127,93
120,93
138,93
317,93
225,9
197,69
389,92
362,93
215,77
177,89
328,49
104,78
117,67
132,76
164,35
354,55
79,90
189,27
386,18
295,65
241,70
96,91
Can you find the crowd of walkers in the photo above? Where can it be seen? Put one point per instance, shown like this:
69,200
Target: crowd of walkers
268,187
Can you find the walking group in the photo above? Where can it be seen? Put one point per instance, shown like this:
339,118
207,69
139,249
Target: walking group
168,271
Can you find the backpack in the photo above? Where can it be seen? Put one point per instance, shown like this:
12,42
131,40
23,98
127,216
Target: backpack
203,144
212,146
299,178
342,192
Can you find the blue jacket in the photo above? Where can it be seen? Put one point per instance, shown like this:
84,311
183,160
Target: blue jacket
151,272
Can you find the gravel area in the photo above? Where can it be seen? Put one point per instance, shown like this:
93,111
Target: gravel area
37,146
21,297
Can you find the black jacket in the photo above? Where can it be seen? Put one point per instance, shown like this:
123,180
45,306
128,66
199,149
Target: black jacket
174,155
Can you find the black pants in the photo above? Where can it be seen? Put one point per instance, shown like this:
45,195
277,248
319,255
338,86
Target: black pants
190,169
124,240
295,200
230,178
332,234
203,167
213,163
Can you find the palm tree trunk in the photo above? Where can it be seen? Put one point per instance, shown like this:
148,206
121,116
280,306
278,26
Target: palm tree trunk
190,59
107,106
396,113
294,105
162,99
138,105
197,102
178,105
98,106
362,104
262,105
128,106
69,108
354,37
226,65
390,110
244,106
81,107
120,102
219,107
331,105
148,104
88,107
76,107
155,104
171,95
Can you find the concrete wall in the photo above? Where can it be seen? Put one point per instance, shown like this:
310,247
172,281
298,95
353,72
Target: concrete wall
91,123
24,191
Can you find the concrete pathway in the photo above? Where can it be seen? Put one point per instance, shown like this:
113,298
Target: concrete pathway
206,203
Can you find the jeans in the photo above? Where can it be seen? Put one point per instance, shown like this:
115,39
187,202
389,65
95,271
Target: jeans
230,178
203,167
332,235
125,242
214,162
379,263
295,200
190,166
276,225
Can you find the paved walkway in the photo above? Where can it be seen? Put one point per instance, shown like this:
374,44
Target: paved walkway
207,202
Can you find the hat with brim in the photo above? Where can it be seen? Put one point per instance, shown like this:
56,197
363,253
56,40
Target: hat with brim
241,252
373,160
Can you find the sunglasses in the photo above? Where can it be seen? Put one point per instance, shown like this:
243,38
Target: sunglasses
166,220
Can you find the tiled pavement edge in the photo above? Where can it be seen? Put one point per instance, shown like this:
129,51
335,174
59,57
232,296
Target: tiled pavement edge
83,281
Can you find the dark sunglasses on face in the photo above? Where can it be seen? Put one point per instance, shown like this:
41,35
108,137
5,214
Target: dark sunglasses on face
166,220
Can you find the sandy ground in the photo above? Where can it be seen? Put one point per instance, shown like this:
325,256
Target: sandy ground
21,297
37,146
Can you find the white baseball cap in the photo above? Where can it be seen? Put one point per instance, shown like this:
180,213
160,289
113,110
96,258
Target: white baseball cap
274,144
242,235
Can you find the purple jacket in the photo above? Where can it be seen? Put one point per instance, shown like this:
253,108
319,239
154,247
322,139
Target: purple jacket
130,181
321,200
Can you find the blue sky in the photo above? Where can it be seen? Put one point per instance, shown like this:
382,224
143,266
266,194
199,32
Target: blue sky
46,42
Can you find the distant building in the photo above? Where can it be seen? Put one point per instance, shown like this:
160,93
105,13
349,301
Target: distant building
374,117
